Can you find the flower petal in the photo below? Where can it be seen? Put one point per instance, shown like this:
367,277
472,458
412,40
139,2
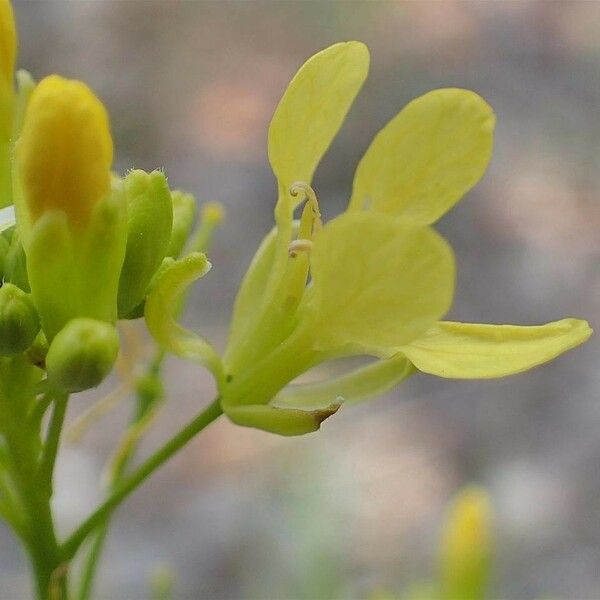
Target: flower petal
376,280
366,382
474,351
427,157
251,295
312,110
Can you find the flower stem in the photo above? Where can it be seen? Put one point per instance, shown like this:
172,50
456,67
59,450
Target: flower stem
46,468
130,483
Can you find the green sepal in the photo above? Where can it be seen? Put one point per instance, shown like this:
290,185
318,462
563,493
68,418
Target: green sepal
82,354
76,274
283,421
170,282
149,226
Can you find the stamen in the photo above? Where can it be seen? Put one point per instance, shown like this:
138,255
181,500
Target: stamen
310,221
298,246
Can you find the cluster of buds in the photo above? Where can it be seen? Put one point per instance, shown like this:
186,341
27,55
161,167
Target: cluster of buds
79,245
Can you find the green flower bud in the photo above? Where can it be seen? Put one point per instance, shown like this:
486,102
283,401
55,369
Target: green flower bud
150,221
15,264
19,321
184,214
82,354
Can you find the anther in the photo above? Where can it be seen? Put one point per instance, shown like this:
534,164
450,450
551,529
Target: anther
298,246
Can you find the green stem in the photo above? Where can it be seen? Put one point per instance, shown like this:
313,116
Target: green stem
40,538
46,468
91,564
97,544
130,483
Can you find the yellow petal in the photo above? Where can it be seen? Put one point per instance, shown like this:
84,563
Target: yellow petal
65,151
377,280
8,43
373,380
250,298
313,109
474,351
426,158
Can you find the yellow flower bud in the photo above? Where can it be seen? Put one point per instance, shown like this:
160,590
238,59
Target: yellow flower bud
65,151
466,546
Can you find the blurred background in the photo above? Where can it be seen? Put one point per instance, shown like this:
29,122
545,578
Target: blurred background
191,87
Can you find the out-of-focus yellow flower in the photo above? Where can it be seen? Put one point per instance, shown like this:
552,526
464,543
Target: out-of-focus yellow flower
65,151
465,550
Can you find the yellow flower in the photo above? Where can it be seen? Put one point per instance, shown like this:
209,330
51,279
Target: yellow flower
377,279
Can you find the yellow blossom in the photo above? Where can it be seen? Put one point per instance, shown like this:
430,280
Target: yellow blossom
376,280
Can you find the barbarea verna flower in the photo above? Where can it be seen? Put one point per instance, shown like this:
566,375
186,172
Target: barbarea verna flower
375,281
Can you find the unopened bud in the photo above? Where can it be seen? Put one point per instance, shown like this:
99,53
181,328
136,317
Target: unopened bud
82,354
64,152
150,221
466,546
184,214
19,321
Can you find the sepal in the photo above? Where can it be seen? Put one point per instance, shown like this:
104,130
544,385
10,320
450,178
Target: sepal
162,302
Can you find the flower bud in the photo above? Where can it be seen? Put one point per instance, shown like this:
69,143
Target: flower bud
71,219
65,151
466,546
184,213
19,321
82,354
149,224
